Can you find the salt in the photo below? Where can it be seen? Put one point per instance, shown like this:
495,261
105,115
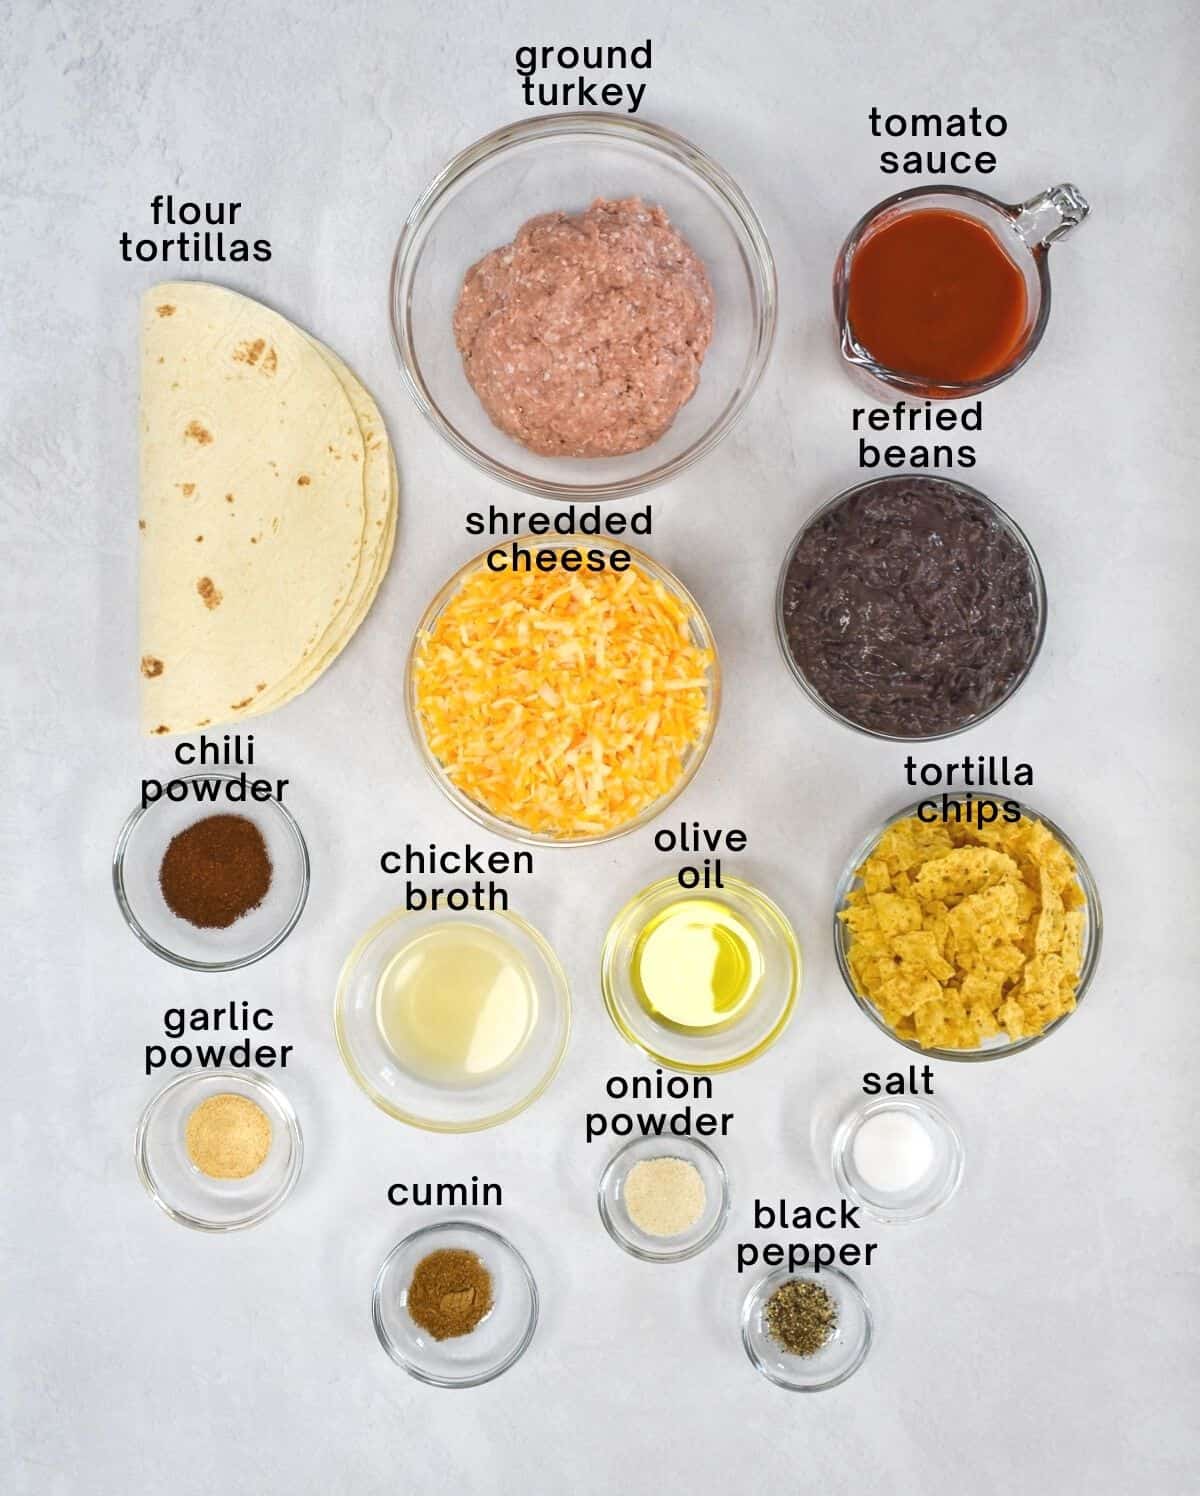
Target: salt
892,1152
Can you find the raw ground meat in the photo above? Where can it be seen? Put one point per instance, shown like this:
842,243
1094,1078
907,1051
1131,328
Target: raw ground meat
585,335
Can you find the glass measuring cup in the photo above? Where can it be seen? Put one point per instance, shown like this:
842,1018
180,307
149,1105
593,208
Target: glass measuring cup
1024,233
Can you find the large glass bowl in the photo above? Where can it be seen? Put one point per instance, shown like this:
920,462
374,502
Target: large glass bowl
701,636
998,1047
416,1099
564,162
1003,519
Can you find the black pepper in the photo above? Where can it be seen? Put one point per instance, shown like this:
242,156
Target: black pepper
800,1317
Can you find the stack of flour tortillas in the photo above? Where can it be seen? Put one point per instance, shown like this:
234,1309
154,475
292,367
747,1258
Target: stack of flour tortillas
268,507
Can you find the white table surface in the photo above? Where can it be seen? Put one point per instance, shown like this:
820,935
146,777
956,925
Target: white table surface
1040,1335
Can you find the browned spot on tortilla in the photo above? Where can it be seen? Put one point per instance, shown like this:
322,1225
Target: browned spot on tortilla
262,686
238,705
161,359
166,310
160,729
254,540
198,433
303,480
199,538
141,524
204,723
151,666
209,593
251,352
188,489
229,498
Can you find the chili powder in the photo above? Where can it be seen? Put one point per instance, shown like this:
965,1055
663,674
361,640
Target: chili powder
215,870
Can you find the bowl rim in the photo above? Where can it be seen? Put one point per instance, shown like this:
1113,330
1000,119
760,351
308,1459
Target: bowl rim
614,1167
703,637
871,1106
781,1275
1005,520
773,913
135,818
559,982
257,1081
1093,931
760,264
394,1352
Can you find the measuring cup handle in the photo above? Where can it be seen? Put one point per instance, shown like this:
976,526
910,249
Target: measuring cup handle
1051,215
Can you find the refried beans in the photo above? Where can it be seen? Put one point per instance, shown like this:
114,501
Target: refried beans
585,335
910,606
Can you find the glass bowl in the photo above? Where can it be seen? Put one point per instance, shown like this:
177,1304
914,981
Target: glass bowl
498,1341
938,1185
841,1355
185,1193
564,162
754,1031
628,1234
1008,524
701,636
998,1047
415,1098
138,856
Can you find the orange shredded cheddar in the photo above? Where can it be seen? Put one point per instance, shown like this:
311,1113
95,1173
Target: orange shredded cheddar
565,705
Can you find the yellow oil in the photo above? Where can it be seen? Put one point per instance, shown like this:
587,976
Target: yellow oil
457,1004
696,966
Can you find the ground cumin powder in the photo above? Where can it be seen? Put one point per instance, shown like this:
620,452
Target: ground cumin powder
228,1136
215,870
450,1293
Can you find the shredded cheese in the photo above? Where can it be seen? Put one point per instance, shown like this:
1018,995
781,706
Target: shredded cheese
566,709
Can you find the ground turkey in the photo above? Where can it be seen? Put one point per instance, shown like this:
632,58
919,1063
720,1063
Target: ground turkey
585,335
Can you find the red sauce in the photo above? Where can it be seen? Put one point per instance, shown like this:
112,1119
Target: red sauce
933,294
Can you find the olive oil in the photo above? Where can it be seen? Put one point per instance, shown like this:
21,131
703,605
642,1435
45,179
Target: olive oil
456,1005
697,966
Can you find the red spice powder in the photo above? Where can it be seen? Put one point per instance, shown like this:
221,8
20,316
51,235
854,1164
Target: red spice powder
215,871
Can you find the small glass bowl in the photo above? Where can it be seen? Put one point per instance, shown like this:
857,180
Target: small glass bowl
139,852
497,1342
940,1182
753,1033
563,162
841,1355
624,1230
420,1101
185,1193
998,1047
701,637
1013,529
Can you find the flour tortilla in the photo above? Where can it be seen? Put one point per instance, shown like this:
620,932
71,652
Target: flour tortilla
258,507
380,498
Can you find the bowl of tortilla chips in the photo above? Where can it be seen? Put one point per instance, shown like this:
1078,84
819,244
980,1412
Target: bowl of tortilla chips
968,941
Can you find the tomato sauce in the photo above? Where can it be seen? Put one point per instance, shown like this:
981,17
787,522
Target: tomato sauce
933,294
